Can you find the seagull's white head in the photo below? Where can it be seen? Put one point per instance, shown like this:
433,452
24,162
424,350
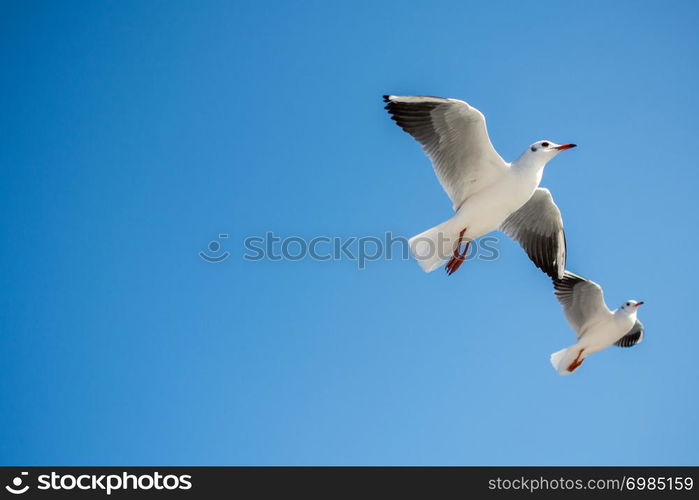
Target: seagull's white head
631,306
545,150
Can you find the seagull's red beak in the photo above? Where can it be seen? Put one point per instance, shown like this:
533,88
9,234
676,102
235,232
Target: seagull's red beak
563,147
639,304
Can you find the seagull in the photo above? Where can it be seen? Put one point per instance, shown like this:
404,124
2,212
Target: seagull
595,325
486,192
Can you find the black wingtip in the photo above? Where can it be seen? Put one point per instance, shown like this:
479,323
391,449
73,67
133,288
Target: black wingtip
388,101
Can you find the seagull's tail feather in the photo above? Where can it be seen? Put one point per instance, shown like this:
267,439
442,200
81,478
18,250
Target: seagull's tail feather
434,247
562,359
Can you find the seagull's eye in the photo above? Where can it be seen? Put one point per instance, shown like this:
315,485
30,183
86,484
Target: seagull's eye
628,303
533,148
545,144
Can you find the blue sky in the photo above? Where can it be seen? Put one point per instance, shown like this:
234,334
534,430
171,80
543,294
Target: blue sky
134,133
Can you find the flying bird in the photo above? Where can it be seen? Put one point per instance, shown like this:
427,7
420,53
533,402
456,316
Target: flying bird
487,193
595,325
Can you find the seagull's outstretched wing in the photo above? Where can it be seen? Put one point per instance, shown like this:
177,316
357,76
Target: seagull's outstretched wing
538,227
582,300
635,336
454,136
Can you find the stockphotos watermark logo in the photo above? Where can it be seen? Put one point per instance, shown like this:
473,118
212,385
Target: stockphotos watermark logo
214,250
359,249
18,485
105,483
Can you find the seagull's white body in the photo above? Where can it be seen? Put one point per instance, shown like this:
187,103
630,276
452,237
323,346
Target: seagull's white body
606,330
486,210
595,325
487,193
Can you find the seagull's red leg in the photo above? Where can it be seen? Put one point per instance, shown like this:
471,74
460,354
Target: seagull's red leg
450,265
577,362
459,257
574,366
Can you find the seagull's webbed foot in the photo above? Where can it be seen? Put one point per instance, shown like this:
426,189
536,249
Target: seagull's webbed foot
576,363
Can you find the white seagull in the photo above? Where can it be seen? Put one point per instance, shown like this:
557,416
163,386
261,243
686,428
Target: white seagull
595,325
487,193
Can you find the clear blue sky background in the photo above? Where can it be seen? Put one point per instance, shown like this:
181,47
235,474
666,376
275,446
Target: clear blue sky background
133,133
